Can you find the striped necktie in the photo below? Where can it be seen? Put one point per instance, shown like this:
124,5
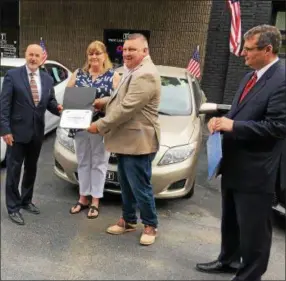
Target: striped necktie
34,89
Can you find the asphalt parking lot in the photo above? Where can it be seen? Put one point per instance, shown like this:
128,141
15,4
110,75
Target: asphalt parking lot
58,246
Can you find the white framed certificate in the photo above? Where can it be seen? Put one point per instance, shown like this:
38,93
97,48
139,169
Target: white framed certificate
76,118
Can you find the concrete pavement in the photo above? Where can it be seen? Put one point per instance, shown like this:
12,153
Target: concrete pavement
56,245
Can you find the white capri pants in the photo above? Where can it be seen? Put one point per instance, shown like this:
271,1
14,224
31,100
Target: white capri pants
92,163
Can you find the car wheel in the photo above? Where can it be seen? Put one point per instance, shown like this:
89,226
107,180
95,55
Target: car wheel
191,192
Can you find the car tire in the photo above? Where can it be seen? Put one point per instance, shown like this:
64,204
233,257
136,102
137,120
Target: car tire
190,192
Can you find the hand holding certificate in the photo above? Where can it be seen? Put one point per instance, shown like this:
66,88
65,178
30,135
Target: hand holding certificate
76,118
78,108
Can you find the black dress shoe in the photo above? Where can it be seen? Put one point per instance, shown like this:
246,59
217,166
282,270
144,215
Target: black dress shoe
31,208
215,267
16,217
236,278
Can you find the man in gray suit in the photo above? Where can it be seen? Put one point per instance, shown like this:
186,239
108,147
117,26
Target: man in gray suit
131,130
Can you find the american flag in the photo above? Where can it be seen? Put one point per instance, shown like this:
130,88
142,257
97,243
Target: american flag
45,54
194,64
235,29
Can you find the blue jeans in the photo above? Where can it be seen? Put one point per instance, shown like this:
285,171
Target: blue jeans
134,173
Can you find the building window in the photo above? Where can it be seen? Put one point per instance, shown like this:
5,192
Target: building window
280,23
278,19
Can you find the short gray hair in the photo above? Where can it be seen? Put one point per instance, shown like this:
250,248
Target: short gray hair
134,36
268,35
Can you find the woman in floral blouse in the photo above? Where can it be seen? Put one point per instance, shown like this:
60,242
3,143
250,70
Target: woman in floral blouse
91,155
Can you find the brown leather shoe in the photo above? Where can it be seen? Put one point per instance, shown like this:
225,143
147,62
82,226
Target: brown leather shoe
121,227
149,235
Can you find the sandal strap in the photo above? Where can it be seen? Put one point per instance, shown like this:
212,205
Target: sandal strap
93,208
80,204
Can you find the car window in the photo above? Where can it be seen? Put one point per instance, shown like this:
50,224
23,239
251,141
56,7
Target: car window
175,96
197,94
58,73
3,70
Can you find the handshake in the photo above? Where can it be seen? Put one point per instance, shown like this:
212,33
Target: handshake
220,124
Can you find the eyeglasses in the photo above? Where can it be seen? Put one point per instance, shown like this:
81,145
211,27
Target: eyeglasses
246,49
95,53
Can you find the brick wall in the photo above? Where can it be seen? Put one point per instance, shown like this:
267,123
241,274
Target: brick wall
67,26
217,54
223,71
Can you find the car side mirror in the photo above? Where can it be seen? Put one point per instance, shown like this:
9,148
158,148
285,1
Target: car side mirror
208,107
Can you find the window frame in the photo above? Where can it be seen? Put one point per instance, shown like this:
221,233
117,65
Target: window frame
279,6
46,68
198,98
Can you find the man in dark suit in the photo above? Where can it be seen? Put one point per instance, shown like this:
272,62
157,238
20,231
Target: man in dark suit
253,135
283,171
281,180
26,94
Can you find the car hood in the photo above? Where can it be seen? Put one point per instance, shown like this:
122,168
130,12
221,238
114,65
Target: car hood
176,130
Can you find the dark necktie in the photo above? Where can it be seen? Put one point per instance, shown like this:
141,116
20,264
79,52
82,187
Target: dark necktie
249,86
34,89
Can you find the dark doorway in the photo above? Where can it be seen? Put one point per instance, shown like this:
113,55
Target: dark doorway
114,40
9,28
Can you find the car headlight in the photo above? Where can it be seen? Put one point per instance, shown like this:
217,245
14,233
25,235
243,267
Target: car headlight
177,154
64,140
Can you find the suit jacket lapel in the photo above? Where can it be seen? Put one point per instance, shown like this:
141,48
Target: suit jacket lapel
124,79
237,96
24,75
42,77
254,91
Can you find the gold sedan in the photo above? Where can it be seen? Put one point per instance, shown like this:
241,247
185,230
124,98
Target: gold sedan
174,167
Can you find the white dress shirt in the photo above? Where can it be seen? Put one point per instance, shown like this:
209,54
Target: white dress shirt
37,78
261,71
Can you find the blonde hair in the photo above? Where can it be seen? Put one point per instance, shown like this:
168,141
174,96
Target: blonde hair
97,46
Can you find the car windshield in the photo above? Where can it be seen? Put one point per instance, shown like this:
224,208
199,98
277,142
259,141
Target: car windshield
175,96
